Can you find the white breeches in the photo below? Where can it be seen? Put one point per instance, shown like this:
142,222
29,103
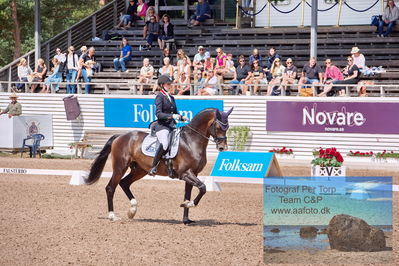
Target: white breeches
163,138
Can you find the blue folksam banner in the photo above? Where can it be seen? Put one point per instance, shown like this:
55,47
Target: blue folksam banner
139,113
242,164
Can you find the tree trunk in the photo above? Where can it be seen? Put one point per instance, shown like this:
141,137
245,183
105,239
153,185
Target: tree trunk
16,29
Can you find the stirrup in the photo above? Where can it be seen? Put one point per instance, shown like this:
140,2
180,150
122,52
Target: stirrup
152,171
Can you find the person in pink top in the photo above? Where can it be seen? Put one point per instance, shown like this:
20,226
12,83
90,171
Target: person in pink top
220,63
332,72
141,9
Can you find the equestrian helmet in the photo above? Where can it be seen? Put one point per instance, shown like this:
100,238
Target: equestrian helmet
164,79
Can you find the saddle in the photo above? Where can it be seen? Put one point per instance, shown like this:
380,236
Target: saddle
150,144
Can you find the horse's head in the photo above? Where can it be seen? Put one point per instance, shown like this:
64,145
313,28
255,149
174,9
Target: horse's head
219,129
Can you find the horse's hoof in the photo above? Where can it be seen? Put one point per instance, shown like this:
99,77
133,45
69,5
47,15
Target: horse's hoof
133,209
113,217
188,221
187,204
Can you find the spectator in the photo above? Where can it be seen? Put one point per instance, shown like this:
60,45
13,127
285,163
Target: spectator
198,81
391,14
166,53
147,20
183,84
88,61
255,56
39,74
277,72
220,61
209,64
351,73
289,75
358,58
230,68
166,70
256,77
141,10
311,74
183,67
332,72
200,58
72,65
270,59
23,72
167,32
125,56
241,76
180,56
83,51
54,78
210,85
146,74
61,57
153,32
129,17
202,13
14,108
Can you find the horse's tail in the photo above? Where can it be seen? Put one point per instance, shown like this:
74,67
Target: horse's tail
97,166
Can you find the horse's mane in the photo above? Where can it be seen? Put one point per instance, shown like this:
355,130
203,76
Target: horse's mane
199,117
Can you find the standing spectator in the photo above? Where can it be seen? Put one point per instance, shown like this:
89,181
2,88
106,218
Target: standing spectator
358,58
256,77
128,18
241,76
55,78
289,76
255,56
389,18
153,32
61,57
202,13
87,61
351,73
147,20
23,72
39,74
270,59
167,32
166,53
210,85
311,74
199,59
72,65
125,56
183,84
146,74
14,108
83,51
277,72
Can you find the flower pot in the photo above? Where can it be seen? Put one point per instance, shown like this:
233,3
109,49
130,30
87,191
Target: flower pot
284,155
360,159
317,170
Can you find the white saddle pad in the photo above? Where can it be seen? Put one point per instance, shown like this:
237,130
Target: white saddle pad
150,145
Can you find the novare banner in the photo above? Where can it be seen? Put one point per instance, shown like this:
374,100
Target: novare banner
339,117
139,113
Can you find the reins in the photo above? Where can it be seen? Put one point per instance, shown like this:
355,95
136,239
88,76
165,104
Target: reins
214,139
199,133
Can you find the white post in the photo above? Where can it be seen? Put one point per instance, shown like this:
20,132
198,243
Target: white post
313,30
37,30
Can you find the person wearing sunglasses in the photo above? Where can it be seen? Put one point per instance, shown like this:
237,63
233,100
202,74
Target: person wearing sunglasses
241,76
289,75
351,73
153,32
72,65
311,74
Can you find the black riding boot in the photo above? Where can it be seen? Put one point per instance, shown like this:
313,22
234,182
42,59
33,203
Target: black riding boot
157,158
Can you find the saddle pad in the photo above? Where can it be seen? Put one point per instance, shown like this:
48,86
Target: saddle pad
150,145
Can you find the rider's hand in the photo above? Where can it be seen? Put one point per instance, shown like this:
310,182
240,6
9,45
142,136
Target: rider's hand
176,116
184,119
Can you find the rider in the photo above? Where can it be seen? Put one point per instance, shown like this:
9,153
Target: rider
166,113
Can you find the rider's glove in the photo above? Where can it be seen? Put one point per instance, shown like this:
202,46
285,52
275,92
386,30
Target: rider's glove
176,116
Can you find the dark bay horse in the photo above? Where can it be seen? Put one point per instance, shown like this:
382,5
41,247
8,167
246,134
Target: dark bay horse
188,163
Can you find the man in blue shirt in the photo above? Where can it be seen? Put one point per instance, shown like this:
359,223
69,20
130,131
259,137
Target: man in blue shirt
126,55
202,13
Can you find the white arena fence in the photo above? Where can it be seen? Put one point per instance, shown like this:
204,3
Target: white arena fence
248,111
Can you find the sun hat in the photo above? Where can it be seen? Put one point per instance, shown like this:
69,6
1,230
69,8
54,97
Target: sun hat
200,47
13,95
355,50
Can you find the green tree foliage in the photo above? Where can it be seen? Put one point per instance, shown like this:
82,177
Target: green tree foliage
56,16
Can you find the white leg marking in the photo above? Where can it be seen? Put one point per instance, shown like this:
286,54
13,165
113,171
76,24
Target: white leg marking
188,204
133,209
113,217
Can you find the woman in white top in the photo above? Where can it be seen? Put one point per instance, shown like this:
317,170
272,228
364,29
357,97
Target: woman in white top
358,58
210,85
183,84
277,71
23,72
166,70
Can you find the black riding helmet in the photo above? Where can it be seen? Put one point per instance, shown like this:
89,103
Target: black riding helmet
164,79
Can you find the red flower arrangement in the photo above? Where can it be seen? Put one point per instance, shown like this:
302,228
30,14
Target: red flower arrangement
386,154
283,150
329,157
360,154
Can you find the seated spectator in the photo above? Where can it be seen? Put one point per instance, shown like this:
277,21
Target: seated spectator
182,86
241,76
180,56
230,68
127,19
166,53
125,56
311,74
255,56
289,75
257,77
153,33
166,70
269,61
358,58
54,78
351,73
167,32
83,51
146,74
14,108
198,81
87,62
277,72
332,73
39,74
389,18
72,66
150,13
210,85
202,13
220,66
199,59
141,10
183,67
209,64
23,72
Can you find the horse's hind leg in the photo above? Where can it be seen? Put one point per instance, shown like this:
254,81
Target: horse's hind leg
135,174
110,189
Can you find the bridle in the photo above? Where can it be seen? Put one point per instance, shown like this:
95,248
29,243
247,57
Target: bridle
215,139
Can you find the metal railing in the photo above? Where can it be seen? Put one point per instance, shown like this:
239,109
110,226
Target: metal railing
89,27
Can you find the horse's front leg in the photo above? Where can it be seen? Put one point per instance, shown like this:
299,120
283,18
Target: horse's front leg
193,180
187,197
